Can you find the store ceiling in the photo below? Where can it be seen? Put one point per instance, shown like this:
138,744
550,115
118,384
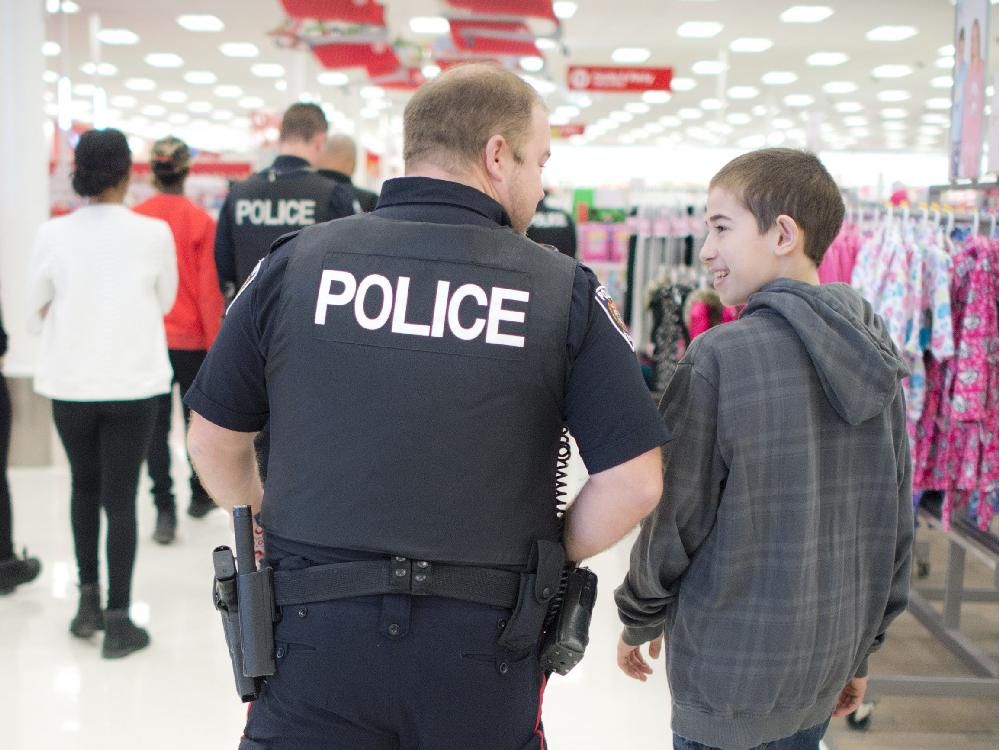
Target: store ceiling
906,113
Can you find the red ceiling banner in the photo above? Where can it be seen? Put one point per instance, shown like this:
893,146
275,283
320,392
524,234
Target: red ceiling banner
530,8
350,11
588,78
378,59
493,37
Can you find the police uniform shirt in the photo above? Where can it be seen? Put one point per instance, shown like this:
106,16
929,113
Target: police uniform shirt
364,200
285,197
553,226
607,406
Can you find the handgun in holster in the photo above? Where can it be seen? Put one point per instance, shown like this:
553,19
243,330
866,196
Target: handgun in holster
244,597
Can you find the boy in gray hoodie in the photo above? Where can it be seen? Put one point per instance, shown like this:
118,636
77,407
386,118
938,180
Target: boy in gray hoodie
780,550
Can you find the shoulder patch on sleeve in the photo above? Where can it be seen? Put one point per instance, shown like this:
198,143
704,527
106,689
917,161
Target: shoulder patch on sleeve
250,278
611,310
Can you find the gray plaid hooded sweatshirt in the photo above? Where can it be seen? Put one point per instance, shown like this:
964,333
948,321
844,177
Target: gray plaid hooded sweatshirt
780,550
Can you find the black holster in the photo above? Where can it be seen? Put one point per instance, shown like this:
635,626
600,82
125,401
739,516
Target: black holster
226,600
538,588
567,630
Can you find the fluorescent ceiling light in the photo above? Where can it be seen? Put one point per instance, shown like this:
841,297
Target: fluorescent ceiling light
372,92
699,29
221,115
557,119
69,7
564,9
51,49
117,36
892,71
228,91
848,107
710,105
546,44
104,69
267,70
759,110
930,129
164,60
656,97
945,62
154,110
568,110
140,84
430,70
941,82
239,49
708,67
621,117
782,123
894,113
894,126
935,119
826,59
532,64
890,33
840,87
750,44
50,76
799,100
689,113
855,121
637,108
541,85
742,92
739,118
200,77
806,14
893,95
173,97
334,78
947,51
200,107
630,55
753,141
861,132
198,22
779,78
938,103
670,121
251,102
122,101
683,84
179,118
429,25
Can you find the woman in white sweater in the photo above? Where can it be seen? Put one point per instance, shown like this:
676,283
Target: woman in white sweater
101,280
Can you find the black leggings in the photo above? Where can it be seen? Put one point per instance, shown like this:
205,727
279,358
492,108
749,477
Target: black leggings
106,442
6,526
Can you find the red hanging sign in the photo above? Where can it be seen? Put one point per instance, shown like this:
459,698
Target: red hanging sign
349,11
493,38
530,8
378,59
588,78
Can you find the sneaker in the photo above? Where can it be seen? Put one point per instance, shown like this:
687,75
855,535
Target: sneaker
18,570
201,506
166,526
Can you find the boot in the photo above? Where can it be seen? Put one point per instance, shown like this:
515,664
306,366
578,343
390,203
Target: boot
166,526
201,506
18,570
121,635
88,618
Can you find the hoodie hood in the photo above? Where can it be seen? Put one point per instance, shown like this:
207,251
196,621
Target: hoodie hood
857,363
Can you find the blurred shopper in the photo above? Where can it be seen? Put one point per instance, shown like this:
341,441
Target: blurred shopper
101,280
553,226
338,163
13,570
285,197
191,324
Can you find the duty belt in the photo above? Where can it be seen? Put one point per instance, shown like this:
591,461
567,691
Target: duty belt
397,575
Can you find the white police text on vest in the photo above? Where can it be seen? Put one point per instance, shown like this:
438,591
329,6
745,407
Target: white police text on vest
550,220
286,212
339,288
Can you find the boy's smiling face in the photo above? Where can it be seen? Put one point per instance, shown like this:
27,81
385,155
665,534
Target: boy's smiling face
739,258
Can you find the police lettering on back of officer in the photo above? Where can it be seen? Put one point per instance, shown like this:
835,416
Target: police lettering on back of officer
446,311
285,212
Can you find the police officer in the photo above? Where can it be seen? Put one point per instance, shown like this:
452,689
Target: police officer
553,226
417,365
338,163
286,196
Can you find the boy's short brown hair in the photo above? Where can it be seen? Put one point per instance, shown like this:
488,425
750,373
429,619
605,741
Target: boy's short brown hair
301,122
449,120
775,181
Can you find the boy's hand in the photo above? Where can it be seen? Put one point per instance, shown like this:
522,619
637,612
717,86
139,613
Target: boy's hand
851,696
631,661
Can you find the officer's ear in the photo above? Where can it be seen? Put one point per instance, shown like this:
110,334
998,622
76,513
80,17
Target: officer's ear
493,155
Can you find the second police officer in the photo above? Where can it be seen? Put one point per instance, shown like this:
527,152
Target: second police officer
417,365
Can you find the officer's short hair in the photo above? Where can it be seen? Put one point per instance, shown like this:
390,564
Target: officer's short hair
449,120
301,122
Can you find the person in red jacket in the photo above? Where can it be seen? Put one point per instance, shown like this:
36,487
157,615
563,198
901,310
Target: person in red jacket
191,324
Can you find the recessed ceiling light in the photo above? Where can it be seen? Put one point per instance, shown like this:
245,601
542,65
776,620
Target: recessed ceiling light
251,102
947,50
179,118
708,67
117,36
430,70
164,60
228,91
637,108
50,76
104,69
945,62
894,113
938,103
200,77
742,92
267,70
656,97
892,71
532,64
799,100
173,97
779,78
334,78
894,126
893,95
51,49
750,44
122,101
669,121
683,84
557,119
861,132
200,107
619,116
699,29
855,121
372,92
689,113
848,107
140,84
710,105
239,49
154,110
630,55
752,142
806,14
826,59
199,22
890,33
221,115
782,123
546,44
941,82
930,129
540,85
935,119
759,110
69,7
564,9
840,87
738,118
569,110
429,25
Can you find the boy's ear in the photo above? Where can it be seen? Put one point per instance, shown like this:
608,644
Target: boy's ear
789,235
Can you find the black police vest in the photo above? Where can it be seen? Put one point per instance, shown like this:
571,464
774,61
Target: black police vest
415,377
263,209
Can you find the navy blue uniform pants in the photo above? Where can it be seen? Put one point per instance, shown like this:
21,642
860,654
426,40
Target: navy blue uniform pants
396,673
